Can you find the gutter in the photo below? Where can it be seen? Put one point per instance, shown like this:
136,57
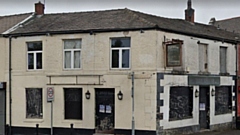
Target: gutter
156,27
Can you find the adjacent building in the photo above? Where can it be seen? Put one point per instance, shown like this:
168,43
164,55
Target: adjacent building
118,71
231,25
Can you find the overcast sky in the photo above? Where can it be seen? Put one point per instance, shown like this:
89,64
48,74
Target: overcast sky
204,9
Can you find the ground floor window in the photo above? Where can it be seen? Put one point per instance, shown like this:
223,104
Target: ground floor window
181,103
73,103
223,100
34,103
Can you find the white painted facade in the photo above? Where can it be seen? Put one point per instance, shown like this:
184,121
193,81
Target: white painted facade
147,58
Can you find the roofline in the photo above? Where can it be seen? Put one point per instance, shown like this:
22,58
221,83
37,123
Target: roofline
18,24
118,30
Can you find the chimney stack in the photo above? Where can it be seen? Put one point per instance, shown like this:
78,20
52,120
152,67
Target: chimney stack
189,12
39,8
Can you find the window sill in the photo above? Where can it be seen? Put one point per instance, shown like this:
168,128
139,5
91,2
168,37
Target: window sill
72,69
172,119
204,73
224,74
119,69
33,120
69,121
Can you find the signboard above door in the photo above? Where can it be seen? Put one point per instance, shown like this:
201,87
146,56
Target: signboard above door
203,80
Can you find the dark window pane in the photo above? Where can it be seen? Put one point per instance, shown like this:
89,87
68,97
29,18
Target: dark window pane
223,59
125,58
34,103
34,46
30,61
173,55
73,103
120,42
115,58
223,101
181,103
39,60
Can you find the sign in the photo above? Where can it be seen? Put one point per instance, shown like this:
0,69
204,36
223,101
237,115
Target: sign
202,107
102,108
203,80
50,94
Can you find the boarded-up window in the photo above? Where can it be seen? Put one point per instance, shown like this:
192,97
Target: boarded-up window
202,57
174,54
223,100
73,103
181,103
223,60
34,103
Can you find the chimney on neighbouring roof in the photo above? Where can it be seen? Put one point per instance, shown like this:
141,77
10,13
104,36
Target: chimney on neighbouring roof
39,8
189,12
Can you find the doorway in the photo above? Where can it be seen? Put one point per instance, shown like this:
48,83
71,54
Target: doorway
204,106
104,105
2,111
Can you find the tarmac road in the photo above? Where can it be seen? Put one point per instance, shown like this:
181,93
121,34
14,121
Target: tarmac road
229,132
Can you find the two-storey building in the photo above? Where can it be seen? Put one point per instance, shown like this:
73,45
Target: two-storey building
119,71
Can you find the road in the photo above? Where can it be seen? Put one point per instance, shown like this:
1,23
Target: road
229,132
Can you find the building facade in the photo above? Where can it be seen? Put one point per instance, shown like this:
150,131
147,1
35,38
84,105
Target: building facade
126,71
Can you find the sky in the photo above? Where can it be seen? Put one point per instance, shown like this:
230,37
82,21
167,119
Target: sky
204,9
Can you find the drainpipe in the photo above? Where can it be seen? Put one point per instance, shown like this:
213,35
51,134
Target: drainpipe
133,122
10,85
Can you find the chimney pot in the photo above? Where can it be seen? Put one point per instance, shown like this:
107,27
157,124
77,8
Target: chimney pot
39,8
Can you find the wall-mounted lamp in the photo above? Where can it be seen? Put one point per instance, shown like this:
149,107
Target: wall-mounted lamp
196,93
87,95
213,92
120,95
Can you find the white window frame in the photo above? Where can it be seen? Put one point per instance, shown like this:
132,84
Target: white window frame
34,58
120,49
72,54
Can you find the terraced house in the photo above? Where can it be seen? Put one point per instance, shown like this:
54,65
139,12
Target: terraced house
118,71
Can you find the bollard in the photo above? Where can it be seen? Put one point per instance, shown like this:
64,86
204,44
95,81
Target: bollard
37,126
71,125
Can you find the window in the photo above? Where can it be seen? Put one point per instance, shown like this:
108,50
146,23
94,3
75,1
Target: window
202,57
34,55
223,100
223,59
181,103
34,103
73,103
72,54
120,50
174,53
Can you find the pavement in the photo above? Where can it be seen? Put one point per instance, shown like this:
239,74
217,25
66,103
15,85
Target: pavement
229,132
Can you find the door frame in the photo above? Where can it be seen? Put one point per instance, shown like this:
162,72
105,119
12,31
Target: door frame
207,106
112,90
3,89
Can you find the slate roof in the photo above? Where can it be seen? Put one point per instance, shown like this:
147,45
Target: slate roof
231,24
7,22
119,19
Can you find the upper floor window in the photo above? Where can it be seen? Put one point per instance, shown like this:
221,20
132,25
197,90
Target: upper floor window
203,57
120,50
223,59
174,53
72,53
34,55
